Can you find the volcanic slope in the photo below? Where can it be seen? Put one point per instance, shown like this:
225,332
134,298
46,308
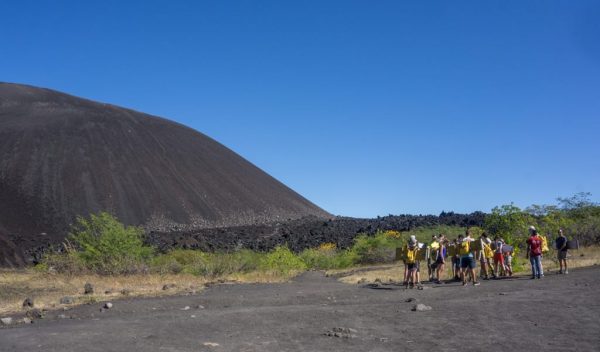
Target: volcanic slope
62,156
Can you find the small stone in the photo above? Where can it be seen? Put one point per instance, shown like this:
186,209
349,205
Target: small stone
27,321
88,289
168,286
108,305
421,308
62,316
108,292
341,332
378,280
35,314
28,303
362,281
200,307
125,292
408,300
211,344
186,308
502,293
67,300
6,321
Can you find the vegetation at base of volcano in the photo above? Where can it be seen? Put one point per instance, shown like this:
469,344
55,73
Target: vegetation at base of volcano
102,245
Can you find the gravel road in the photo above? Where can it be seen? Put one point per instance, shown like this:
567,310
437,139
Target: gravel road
318,313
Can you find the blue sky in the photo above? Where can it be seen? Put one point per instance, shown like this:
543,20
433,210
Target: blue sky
364,107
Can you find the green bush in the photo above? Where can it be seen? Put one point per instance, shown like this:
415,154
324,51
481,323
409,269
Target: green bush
282,260
106,246
378,248
66,262
206,264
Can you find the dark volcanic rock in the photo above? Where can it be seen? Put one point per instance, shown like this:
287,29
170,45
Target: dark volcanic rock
301,233
63,156
28,303
88,288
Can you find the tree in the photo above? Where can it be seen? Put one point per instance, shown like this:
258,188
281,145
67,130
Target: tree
509,222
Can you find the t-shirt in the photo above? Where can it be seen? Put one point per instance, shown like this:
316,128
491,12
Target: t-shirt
498,247
561,241
535,245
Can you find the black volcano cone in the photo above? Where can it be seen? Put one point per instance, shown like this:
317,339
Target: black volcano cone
63,156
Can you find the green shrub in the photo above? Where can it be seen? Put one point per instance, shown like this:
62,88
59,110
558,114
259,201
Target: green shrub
66,262
378,248
282,260
106,246
206,264
315,259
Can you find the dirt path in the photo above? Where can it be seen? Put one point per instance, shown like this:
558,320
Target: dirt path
557,313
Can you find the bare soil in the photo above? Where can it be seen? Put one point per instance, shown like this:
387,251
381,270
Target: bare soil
557,313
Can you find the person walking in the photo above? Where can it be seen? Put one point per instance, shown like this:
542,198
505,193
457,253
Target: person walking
534,253
561,248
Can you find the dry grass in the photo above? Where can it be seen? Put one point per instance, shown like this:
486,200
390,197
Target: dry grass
583,257
47,288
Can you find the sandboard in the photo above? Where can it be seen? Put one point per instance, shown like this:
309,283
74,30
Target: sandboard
573,244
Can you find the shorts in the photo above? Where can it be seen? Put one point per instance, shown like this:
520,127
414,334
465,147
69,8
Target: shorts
508,260
498,258
562,255
412,266
467,262
439,261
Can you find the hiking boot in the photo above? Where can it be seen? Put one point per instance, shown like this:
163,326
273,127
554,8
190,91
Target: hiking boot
560,272
464,283
532,278
566,271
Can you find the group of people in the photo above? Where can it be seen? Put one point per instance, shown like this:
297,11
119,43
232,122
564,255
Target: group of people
494,256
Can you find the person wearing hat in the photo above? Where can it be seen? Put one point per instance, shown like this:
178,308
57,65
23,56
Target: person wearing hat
411,262
534,253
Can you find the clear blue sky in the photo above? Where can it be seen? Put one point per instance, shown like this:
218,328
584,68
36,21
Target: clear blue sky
364,107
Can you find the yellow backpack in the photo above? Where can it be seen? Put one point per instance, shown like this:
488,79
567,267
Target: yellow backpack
410,256
544,244
487,251
464,248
